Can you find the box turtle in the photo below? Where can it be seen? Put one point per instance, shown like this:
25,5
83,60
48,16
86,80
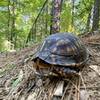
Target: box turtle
60,54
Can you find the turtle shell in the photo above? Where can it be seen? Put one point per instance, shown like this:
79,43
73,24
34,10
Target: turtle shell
64,49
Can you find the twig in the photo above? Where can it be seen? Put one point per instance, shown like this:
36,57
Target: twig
93,43
95,71
89,87
82,81
78,86
69,97
65,91
73,84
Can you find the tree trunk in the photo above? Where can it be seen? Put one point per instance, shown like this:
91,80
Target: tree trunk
46,20
88,20
55,16
13,34
96,14
9,19
73,3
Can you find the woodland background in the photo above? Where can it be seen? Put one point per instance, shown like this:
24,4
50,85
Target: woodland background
25,22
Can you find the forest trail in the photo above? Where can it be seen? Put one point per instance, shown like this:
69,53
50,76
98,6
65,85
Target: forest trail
17,74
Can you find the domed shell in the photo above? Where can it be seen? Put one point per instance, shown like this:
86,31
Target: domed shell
64,49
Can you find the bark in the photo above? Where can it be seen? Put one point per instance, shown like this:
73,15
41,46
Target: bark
55,14
73,2
9,19
88,20
96,15
13,33
46,20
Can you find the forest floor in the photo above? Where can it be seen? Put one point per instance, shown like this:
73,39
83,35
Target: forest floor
18,81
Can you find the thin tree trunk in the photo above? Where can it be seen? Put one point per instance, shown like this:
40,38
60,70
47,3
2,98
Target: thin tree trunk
46,20
96,15
13,34
88,20
9,19
73,2
55,14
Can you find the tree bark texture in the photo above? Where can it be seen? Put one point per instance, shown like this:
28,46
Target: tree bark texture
13,32
89,20
96,15
9,20
55,16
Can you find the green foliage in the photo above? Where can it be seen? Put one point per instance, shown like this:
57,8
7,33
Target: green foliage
3,3
66,17
82,10
25,13
19,18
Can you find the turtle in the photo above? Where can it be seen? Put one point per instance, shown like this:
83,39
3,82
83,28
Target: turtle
60,54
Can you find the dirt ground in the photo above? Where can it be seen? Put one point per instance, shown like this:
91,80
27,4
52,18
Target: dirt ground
18,81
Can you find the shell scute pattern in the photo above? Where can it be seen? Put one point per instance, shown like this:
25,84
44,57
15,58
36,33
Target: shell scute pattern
62,49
